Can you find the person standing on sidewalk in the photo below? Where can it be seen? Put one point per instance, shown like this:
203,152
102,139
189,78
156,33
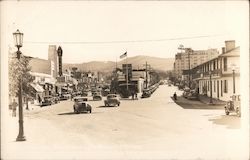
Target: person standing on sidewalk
14,106
175,96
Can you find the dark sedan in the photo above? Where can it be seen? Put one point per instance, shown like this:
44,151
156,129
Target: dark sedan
81,105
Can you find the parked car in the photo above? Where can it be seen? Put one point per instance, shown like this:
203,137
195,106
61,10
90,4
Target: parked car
85,93
112,100
81,105
233,105
105,92
65,96
56,99
186,92
47,101
97,98
193,95
146,94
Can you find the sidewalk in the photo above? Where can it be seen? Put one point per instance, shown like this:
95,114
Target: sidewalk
206,100
193,104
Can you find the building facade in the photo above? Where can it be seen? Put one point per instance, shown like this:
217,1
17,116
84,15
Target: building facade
220,77
192,58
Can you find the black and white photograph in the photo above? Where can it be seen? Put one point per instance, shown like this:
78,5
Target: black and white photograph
124,80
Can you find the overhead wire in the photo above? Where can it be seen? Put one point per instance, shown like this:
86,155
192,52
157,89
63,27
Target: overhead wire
114,42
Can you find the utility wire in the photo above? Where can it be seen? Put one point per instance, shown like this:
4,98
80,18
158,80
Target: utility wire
113,42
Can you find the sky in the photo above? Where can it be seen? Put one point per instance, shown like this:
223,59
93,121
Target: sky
102,31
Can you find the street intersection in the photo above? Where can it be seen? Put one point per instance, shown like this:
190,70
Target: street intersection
150,128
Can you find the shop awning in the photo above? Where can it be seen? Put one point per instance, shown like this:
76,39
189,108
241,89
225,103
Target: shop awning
37,87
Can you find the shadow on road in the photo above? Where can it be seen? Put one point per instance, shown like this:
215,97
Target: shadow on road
72,113
194,104
106,106
230,121
67,113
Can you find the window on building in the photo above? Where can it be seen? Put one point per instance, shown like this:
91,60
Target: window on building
214,86
225,86
225,63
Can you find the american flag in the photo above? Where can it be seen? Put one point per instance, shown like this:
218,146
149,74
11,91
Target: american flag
123,55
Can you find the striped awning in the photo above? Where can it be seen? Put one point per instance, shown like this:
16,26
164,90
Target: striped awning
37,87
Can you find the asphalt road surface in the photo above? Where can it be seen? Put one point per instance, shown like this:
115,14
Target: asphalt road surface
151,128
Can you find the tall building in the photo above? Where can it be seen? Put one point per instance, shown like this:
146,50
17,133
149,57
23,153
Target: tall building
192,58
53,59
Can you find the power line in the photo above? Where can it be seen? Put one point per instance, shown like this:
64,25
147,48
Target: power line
113,42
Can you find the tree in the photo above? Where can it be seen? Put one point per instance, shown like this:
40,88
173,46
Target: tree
17,70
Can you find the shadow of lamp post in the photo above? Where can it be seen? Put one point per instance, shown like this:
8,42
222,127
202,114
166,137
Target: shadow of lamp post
18,40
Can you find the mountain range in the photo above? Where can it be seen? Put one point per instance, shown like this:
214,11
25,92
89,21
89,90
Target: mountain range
138,62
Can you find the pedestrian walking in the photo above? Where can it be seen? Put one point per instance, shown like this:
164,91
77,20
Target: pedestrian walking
175,96
39,99
136,96
14,106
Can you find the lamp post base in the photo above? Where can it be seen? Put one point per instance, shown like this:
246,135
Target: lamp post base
20,138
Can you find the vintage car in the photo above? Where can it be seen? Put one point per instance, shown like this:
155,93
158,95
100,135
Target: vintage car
193,95
112,100
146,94
233,105
47,101
65,96
186,92
81,105
97,98
105,92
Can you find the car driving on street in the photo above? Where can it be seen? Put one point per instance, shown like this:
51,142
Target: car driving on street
81,105
112,100
47,101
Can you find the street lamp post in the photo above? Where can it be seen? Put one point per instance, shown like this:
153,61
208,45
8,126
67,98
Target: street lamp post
233,70
18,39
211,92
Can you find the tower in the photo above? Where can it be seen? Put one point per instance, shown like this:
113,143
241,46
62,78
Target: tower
53,58
59,52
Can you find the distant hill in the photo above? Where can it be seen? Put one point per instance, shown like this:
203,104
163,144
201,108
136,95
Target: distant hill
157,63
92,66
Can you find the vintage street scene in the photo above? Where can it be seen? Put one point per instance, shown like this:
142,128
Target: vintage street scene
124,80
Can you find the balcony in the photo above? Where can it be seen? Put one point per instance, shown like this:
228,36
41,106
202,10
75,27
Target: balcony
217,72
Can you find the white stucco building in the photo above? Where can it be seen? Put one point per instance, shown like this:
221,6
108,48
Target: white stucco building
224,71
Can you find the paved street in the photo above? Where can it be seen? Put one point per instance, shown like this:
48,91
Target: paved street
152,128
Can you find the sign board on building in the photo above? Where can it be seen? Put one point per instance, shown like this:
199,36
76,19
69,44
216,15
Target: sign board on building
129,68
